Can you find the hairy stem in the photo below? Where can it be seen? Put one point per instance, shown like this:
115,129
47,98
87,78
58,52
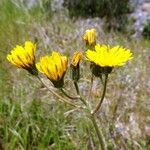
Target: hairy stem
78,92
92,117
57,95
78,97
99,133
77,87
103,95
90,90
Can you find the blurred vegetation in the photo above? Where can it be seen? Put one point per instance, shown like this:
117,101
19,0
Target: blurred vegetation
31,117
114,11
146,31
18,20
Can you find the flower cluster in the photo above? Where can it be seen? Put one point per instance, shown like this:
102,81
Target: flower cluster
103,59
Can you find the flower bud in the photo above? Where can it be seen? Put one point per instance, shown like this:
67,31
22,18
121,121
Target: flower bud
75,67
90,37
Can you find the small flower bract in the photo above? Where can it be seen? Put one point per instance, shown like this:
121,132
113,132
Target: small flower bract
54,68
104,56
23,57
90,37
77,56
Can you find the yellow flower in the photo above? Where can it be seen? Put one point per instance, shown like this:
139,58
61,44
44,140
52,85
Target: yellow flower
23,57
54,68
90,37
77,56
104,56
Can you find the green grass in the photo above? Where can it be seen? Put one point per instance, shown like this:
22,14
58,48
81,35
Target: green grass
32,118
33,127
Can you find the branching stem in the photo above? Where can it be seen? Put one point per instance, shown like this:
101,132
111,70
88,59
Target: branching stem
70,97
57,95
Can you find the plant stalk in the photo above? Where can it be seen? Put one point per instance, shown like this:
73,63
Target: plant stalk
99,133
102,98
77,87
54,93
78,92
92,117
70,97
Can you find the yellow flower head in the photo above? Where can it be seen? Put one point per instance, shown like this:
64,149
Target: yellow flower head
77,56
90,37
104,56
53,67
23,57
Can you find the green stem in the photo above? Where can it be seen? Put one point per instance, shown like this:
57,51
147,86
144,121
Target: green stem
54,93
69,95
77,87
102,98
78,92
101,78
84,102
90,90
92,117
98,132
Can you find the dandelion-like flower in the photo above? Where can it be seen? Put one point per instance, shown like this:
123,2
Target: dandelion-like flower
90,37
24,57
107,57
54,68
75,69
